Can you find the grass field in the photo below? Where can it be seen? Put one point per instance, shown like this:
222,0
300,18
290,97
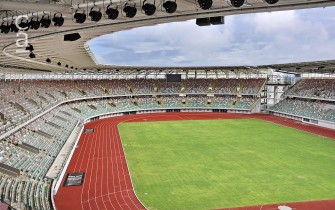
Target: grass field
226,163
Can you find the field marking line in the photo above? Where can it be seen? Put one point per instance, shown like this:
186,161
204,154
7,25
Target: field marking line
90,177
108,143
117,162
120,191
100,136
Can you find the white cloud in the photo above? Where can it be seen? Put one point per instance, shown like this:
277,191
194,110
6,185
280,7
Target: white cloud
253,39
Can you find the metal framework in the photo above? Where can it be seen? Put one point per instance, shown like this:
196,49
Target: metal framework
48,43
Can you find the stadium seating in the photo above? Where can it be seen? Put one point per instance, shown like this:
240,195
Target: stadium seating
314,88
306,108
33,148
21,101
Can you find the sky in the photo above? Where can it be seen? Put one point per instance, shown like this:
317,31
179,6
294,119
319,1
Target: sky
251,39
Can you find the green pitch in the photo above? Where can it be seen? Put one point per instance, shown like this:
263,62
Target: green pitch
225,163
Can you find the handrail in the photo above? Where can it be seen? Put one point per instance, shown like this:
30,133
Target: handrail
306,117
312,98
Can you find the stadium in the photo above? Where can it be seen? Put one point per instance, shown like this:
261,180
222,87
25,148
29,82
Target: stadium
79,134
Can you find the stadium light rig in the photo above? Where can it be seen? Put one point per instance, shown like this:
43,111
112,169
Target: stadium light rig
95,13
80,17
237,3
148,8
34,23
13,27
30,47
4,28
24,24
204,4
58,20
130,9
170,6
45,21
111,12
32,55
271,1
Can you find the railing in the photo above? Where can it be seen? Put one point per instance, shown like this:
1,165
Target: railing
314,121
311,98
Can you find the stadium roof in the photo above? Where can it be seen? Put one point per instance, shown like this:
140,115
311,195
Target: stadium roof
305,67
48,43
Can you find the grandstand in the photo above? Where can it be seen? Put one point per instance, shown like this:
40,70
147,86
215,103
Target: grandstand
52,91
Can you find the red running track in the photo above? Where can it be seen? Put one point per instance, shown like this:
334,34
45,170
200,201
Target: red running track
107,183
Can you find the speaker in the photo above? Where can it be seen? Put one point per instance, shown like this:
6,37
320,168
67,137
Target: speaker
217,20
203,22
72,37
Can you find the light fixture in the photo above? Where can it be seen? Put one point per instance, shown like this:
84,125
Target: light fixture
271,1
58,20
13,27
24,25
32,55
4,28
45,21
30,47
112,13
205,4
95,14
170,6
149,9
237,3
80,17
130,9
34,23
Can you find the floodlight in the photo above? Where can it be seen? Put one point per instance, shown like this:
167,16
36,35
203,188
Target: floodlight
4,28
237,3
58,20
95,14
45,21
170,6
30,47
80,17
130,10
271,1
112,13
32,55
24,25
149,9
205,4
34,23
13,27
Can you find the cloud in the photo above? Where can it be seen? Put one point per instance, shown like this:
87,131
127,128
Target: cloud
252,39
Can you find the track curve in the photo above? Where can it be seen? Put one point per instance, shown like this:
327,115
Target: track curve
107,183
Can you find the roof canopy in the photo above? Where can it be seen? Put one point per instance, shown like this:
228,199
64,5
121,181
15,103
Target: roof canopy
53,54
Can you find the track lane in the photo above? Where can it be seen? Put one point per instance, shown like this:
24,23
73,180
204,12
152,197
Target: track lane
112,187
